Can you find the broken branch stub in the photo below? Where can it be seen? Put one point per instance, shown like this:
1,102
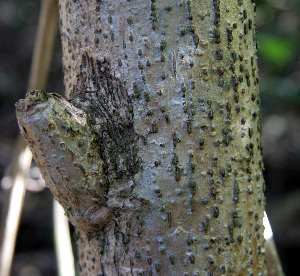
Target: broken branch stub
86,148
66,150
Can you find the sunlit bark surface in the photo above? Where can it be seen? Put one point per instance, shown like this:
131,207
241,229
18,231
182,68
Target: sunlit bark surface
168,97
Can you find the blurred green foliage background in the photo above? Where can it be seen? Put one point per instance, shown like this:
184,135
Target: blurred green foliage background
279,62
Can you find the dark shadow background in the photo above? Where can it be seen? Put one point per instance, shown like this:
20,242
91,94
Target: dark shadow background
279,62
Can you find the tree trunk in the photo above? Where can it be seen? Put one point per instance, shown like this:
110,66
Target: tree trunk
157,156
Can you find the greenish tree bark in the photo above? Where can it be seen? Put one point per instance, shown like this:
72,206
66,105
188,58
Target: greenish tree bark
156,156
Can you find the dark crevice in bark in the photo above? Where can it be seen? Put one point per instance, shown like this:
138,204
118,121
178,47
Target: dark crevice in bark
109,107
